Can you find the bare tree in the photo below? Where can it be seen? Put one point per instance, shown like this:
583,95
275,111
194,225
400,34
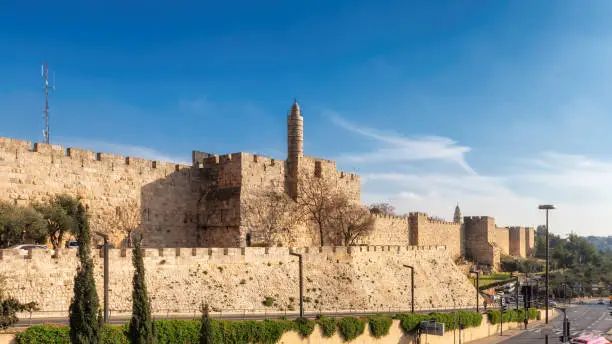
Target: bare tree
350,221
382,208
273,215
126,219
316,200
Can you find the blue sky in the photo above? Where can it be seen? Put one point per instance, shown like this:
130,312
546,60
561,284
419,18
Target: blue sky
497,105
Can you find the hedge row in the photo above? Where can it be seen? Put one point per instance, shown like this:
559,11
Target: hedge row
512,315
243,332
48,334
410,322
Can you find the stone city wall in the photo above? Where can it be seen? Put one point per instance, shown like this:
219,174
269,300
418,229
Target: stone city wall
530,241
477,245
500,237
388,229
163,191
518,243
425,231
235,279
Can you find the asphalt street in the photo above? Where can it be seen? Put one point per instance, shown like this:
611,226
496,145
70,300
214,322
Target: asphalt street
584,319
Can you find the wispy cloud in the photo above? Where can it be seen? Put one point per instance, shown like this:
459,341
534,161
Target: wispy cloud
400,175
122,149
397,148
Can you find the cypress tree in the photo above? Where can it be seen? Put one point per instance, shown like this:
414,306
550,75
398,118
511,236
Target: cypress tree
85,322
141,327
206,328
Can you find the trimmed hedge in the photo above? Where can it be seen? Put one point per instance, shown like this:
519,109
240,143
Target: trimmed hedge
267,331
304,327
512,315
351,328
48,334
410,322
177,331
327,325
380,325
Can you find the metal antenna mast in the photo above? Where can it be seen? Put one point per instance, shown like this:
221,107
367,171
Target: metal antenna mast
44,72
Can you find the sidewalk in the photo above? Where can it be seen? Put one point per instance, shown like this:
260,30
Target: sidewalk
507,334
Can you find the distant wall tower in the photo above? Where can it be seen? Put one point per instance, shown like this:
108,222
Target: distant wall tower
295,147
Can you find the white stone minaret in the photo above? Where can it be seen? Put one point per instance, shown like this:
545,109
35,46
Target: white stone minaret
295,147
458,218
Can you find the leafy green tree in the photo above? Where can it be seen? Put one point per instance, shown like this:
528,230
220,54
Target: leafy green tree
207,335
85,314
61,216
20,224
141,327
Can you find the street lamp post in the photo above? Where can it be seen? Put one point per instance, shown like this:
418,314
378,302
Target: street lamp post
411,287
105,237
516,289
301,282
477,287
546,207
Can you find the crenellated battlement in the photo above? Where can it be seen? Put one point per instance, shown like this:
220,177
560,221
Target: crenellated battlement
21,147
213,255
478,218
393,217
426,217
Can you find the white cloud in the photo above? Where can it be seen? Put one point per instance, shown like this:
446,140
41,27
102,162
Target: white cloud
121,149
401,149
580,185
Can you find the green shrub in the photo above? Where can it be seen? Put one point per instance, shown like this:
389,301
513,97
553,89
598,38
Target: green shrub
512,315
328,325
351,328
114,335
494,317
304,327
48,334
469,319
380,325
410,322
268,302
533,313
44,334
176,331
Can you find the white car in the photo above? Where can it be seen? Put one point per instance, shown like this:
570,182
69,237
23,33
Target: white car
23,249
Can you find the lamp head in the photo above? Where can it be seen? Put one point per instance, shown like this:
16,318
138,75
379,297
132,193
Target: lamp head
546,207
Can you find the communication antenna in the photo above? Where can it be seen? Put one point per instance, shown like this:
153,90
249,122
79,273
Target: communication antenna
44,73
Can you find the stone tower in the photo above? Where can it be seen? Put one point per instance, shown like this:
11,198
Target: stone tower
295,147
457,218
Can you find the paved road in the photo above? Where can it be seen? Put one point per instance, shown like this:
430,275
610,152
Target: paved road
584,319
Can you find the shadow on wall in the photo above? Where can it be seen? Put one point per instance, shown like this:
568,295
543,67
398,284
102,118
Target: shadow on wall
193,206
168,209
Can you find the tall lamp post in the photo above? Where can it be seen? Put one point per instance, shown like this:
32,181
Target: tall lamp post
301,283
477,287
411,287
546,207
105,237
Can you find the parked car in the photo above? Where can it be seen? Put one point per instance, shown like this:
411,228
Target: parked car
72,244
23,249
590,339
